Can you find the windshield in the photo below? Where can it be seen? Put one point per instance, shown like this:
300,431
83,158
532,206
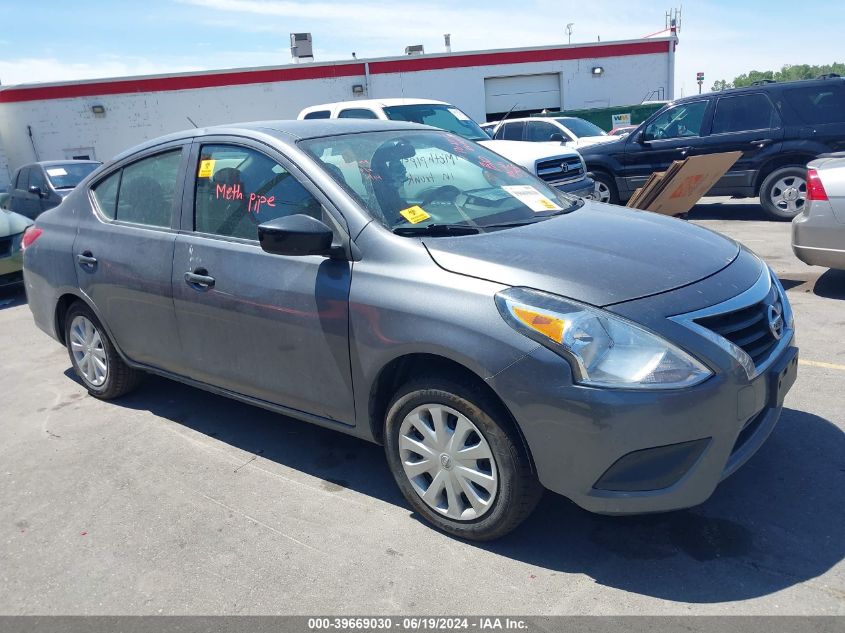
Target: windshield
68,175
413,181
580,127
446,117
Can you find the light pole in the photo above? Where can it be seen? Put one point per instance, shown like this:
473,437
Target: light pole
569,31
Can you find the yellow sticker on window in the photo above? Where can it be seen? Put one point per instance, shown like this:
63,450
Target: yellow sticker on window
206,169
414,214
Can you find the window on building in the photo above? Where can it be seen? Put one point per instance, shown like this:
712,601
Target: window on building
239,188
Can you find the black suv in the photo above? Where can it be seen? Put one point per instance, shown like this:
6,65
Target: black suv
779,127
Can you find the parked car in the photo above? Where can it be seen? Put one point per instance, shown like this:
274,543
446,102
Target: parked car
570,131
778,127
12,227
622,130
496,335
40,186
560,167
818,232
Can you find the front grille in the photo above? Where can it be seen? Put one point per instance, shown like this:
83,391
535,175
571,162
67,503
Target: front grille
5,246
748,328
552,170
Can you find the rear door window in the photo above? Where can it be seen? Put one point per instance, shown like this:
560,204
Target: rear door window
147,188
744,113
357,113
238,188
511,131
821,103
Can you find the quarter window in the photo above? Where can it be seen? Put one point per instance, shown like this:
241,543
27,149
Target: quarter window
105,193
239,188
744,113
318,114
681,121
820,103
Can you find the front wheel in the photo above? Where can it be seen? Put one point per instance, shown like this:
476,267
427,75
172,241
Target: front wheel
783,193
457,459
605,188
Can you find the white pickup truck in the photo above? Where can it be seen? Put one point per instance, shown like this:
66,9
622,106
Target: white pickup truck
561,167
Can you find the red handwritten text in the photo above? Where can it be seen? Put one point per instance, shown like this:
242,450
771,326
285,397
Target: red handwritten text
256,201
229,192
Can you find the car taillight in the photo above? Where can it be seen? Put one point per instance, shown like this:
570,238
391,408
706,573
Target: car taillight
815,188
29,236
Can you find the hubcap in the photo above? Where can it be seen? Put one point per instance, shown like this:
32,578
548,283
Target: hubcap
448,462
602,192
86,345
789,194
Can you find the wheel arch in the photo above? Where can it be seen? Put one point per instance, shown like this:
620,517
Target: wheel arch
399,370
790,159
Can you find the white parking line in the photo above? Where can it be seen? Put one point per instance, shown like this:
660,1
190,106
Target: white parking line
815,363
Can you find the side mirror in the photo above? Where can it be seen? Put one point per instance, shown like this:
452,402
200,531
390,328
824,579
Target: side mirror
296,235
557,136
36,191
641,138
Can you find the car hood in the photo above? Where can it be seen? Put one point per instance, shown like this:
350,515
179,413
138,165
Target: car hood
12,223
526,154
585,141
598,254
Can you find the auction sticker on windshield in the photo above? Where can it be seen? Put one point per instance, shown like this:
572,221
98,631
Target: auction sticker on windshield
458,114
531,198
414,214
57,171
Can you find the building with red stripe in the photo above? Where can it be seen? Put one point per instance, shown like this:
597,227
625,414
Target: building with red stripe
99,118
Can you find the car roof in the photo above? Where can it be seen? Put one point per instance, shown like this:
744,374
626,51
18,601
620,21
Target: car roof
382,103
52,163
775,85
287,131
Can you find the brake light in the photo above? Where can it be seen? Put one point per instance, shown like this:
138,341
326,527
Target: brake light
815,188
29,236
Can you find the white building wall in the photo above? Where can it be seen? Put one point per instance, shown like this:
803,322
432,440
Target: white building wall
61,124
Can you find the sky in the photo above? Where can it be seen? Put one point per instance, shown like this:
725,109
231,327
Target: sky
47,40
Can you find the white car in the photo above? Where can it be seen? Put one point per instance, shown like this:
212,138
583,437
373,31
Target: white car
571,131
561,167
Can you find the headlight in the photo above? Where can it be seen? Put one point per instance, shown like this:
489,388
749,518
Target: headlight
603,349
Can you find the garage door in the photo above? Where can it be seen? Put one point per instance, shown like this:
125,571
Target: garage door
528,92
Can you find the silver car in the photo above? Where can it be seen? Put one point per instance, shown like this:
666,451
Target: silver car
818,233
407,286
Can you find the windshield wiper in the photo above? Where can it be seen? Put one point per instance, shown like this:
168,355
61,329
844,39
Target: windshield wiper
507,225
437,230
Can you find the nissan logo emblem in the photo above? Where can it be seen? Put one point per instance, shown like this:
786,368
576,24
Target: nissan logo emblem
775,317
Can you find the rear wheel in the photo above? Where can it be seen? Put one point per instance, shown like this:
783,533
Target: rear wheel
605,188
457,460
783,193
93,356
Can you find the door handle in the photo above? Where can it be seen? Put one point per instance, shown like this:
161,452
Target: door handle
761,142
684,150
86,259
199,278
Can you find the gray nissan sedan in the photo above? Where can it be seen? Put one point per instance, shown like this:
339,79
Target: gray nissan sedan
412,288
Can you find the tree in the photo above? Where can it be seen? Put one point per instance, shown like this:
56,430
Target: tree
786,73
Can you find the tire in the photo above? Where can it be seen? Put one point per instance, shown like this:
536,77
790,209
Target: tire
501,501
94,358
605,190
783,193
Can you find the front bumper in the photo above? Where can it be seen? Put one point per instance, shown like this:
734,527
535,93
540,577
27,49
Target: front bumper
583,188
632,452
